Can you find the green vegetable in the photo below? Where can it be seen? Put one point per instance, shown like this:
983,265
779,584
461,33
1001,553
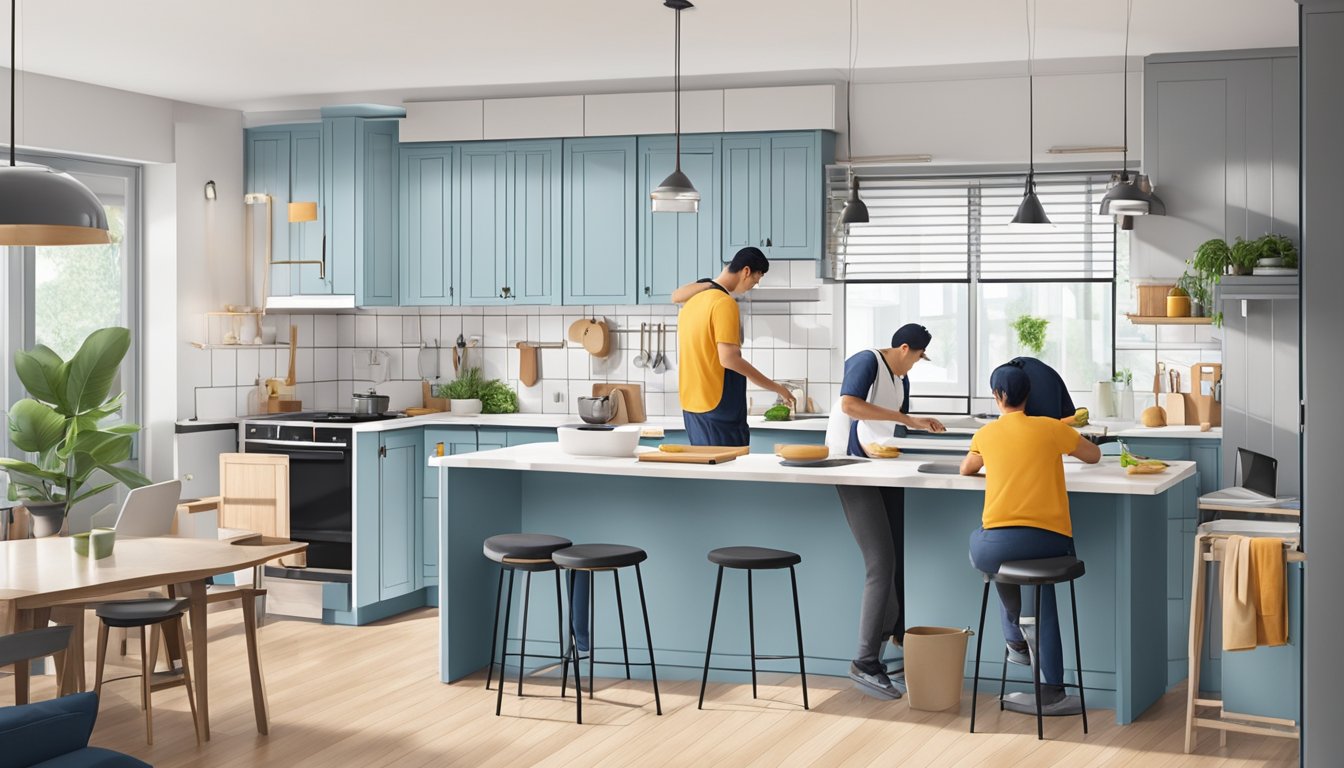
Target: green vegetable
777,413
498,398
495,395
1128,459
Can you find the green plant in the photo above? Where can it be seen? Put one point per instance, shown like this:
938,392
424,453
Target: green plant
495,395
1244,255
1211,260
1124,376
1278,247
1031,333
1196,288
61,423
467,385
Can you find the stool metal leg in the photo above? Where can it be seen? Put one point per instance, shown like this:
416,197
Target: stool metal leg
620,614
798,626
751,633
504,647
709,644
560,634
648,636
1078,654
592,630
979,644
494,630
1003,679
1036,666
574,655
522,641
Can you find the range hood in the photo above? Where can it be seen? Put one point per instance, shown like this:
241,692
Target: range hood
326,301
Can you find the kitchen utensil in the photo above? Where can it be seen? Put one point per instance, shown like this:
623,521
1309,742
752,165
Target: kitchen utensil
633,395
822,463
293,349
460,345
427,397
413,411
577,328
597,338
1159,378
579,441
702,454
1103,394
1175,406
527,364
427,361
597,410
1174,379
369,403
660,360
1205,395
642,359
802,452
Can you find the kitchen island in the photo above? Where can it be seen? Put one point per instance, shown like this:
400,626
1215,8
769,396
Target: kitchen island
677,513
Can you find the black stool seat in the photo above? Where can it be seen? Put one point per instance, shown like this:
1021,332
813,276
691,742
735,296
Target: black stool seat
753,558
1048,570
523,546
140,613
585,557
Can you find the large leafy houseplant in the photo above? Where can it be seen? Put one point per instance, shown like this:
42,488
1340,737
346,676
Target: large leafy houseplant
61,423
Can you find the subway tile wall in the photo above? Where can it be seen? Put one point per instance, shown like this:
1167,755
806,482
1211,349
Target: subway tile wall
339,354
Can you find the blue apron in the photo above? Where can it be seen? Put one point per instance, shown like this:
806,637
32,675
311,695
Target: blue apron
726,423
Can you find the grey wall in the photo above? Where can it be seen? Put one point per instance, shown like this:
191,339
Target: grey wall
1322,371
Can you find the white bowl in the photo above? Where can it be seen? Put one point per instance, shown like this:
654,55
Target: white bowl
619,441
464,407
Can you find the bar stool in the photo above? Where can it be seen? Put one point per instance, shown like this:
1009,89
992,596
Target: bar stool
753,559
529,553
147,614
1033,573
604,557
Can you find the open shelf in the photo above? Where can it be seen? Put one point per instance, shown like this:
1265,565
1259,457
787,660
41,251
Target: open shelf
1141,320
201,345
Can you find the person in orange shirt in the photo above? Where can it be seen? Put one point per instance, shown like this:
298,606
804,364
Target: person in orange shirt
1026,517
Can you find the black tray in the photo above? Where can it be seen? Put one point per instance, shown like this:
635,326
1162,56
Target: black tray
822,463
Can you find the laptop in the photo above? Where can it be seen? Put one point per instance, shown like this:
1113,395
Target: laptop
149,510
1257,481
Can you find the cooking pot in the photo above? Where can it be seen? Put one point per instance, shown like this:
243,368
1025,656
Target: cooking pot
370,403
597,410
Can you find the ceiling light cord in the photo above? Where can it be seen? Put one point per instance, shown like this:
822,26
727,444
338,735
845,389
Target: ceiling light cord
1031,97
1124,163
676,84
13,46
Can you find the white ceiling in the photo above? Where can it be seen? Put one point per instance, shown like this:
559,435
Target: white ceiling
283,54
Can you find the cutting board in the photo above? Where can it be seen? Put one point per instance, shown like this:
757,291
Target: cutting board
697,454
634,399
1203,404
527,364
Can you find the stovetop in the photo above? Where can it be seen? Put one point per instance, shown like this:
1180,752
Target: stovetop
326,417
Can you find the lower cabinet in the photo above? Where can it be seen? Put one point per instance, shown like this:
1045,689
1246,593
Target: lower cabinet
455,440
389,468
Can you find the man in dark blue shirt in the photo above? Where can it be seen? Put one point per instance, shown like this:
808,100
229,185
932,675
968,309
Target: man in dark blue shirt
1049,394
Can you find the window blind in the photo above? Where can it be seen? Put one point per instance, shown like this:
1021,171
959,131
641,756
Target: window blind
955,228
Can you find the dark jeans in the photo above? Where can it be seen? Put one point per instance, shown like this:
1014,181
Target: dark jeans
876,517
711,429
996,546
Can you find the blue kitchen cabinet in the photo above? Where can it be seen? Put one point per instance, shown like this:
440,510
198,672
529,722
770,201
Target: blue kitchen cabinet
400,509
526,436
773,193
678,248
599,221
455,440
428,246
510,222
285,162
361,159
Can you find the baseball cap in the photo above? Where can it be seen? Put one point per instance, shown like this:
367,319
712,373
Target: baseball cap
914,334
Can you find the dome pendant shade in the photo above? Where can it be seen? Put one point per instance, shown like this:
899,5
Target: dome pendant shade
42,206
855,210
1030,212
1127,198
675,195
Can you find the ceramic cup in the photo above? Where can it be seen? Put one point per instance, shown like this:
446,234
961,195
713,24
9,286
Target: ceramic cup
80,541
101,541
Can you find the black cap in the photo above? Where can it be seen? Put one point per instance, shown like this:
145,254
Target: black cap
913,334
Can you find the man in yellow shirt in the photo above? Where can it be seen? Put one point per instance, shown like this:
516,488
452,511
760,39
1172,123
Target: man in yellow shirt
712,374
1026,517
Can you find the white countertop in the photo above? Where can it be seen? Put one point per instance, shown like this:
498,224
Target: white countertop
1106,477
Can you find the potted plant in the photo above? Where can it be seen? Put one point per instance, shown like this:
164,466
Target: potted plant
1123,381
472,393
1197,290
1211,260
1031,333
61,423
1276,251
1244,253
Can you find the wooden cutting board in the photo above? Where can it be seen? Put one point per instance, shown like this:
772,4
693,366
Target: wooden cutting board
699,454
634,399
527,364
1201,406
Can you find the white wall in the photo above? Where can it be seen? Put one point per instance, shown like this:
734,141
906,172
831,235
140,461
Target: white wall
70,117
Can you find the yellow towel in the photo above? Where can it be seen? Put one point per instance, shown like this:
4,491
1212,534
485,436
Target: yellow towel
1271,622
1239,613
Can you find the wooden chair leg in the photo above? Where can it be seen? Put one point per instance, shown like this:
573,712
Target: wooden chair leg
102,657
181,635
1196,647
123,633
146,675
259,704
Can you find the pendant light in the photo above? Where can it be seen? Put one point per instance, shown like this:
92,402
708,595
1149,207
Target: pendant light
1129,197
855,210
1030,212
40,205
676,194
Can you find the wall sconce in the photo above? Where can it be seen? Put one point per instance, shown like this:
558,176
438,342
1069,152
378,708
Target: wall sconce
299,212
210,190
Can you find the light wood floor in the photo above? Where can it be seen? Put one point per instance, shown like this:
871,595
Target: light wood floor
369,696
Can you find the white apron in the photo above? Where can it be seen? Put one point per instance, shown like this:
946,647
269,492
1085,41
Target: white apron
887,392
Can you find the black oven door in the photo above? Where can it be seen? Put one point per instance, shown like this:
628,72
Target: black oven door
320,501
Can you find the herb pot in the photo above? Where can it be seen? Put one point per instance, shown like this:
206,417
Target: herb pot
464,407
46,517
370,403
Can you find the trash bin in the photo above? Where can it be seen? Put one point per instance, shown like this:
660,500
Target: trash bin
935,666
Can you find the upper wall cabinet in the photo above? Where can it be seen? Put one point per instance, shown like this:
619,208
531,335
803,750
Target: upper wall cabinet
772,193
361,155
1221,137
428,243
510,222
599,221
677,248
285,162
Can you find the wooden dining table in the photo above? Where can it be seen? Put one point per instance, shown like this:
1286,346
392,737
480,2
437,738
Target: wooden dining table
39,574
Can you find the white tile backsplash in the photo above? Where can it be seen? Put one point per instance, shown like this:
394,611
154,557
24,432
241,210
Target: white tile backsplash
224,367
389,331
326,332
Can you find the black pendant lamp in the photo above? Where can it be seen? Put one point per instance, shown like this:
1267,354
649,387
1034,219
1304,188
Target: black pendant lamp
1129,197
40,205
855,210
676,194
1030,212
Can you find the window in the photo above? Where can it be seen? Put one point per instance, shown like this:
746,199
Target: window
938,251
